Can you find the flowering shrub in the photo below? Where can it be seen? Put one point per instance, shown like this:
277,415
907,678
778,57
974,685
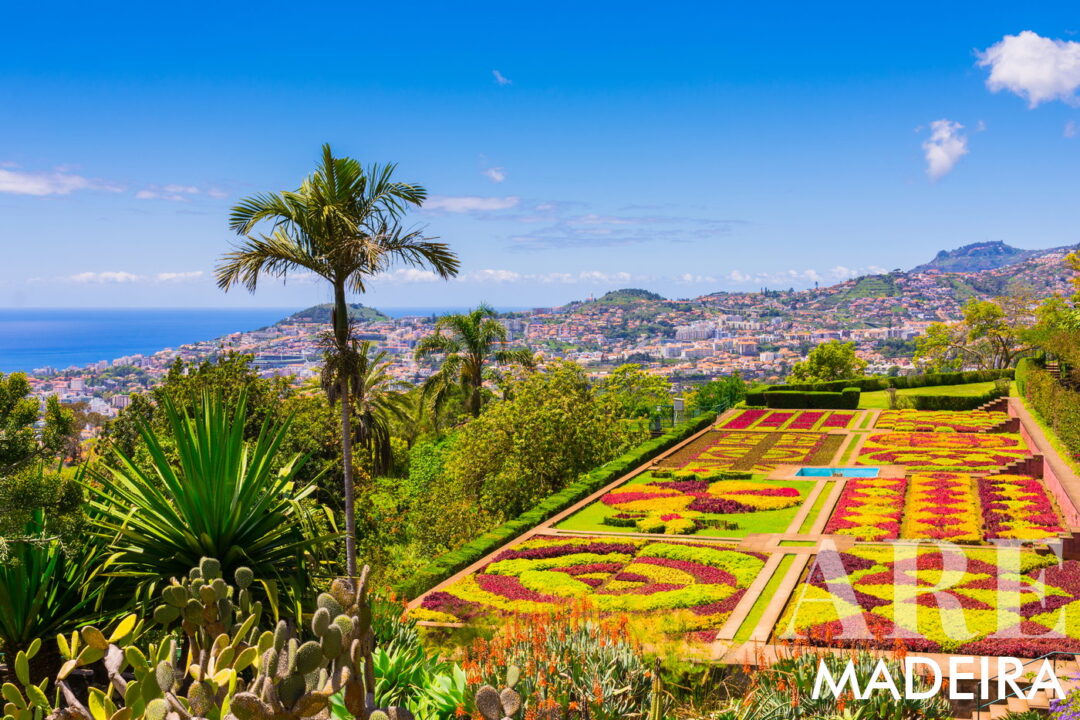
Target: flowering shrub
869,509
689,588
942,506
944,451
1017,507
1003,601
929,421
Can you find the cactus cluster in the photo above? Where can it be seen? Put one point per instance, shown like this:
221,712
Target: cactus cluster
500,704
223,668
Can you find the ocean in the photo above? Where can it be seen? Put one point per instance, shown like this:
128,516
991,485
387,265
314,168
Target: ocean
61,338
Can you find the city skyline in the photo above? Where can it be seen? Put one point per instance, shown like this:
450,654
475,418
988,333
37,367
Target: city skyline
565,155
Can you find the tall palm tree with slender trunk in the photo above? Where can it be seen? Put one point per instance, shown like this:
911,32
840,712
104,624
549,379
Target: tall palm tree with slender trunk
377,397
343,224
469,343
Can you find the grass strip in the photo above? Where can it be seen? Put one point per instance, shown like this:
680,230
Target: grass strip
797,543
749,623
865,424
850,450
815,509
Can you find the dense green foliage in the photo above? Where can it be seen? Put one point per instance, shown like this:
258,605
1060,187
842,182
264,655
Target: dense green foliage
218,495
833,360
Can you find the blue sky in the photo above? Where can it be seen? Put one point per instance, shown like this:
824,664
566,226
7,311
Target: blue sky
569,148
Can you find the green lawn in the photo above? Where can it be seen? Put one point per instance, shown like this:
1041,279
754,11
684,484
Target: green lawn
749,624
815,510
879,399
590,518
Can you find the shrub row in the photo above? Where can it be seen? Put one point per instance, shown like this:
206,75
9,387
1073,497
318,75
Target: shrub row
869,384
1024,368
954,403
1058,407
847,399
446,565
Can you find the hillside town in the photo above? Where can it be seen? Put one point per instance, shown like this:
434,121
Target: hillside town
759,335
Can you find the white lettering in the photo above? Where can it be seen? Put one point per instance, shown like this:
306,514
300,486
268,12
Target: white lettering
909,678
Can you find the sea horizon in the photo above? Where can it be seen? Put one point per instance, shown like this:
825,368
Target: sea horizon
60,338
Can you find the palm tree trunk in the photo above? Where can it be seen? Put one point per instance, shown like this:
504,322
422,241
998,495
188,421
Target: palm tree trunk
341,336
350,499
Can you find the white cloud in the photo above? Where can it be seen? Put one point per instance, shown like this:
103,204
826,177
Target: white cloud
105,277
172,191
738,276
178,276
692,279
1070,129
1034,67
59,182
470,203
409,276
944,148
495,174
500,79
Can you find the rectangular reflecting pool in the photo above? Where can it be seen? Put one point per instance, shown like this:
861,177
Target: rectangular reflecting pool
837,472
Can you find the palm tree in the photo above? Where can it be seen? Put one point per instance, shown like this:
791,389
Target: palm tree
468,342
343,224
377,398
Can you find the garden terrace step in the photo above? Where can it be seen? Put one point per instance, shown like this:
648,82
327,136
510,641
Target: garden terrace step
1009,425
1032,466
1000,404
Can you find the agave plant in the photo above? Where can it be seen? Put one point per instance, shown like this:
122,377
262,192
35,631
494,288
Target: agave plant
211,494
45,588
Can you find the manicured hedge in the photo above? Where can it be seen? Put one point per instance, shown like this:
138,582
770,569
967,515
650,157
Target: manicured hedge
1023,369
869,384
1057,405
451,562
847,399
955,403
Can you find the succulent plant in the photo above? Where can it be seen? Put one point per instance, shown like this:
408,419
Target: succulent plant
500,704
222,666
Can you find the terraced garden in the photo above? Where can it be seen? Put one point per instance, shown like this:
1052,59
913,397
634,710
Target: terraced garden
837,528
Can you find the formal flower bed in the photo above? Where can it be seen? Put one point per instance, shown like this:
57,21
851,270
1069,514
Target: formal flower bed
1017,507
744,420
687,501
942,506
755,451
931,421
934,450
685,588
758,419
869,509
938,599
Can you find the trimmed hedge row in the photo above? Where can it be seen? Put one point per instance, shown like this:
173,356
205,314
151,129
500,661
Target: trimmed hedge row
954,403
869,384
455,560
1024,368
847,399
1057,405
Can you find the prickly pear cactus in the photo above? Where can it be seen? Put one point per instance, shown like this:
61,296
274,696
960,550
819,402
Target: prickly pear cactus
500,705
296,679
214,664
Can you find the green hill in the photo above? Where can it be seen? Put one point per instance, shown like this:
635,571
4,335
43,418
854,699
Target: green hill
321,314
978,256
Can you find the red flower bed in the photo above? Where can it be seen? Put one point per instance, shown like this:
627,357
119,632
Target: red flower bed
744,419
806,420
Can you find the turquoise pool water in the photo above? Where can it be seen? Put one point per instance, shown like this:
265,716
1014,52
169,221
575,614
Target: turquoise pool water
837,472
